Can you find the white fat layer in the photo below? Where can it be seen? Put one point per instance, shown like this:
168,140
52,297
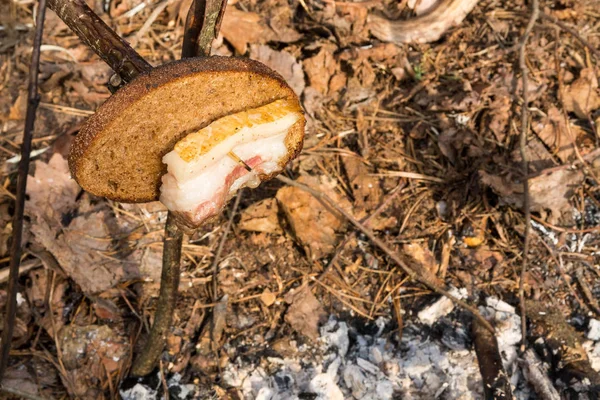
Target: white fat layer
186,195
184,171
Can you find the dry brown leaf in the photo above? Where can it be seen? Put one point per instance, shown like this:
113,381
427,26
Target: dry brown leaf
581,97
36,293
19,107
499,114
19,377
282,62
311,223
350,22
320,71
261,217
366,189
241,28
305,312
280,19
549,191
553,132
539,157
82,246
268,298
424,260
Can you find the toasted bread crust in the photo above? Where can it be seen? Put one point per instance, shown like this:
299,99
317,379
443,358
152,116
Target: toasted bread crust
118,152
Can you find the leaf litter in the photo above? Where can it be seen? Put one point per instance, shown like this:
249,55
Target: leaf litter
442,115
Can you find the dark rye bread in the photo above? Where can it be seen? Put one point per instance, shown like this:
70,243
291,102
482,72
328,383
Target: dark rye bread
118,152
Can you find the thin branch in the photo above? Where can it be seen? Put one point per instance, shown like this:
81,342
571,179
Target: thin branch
202,27
366,220
98,36
215,265
525,164
572,31
33,100
337,210
169,283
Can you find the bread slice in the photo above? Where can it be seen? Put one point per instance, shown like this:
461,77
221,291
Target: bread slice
206,168
118,152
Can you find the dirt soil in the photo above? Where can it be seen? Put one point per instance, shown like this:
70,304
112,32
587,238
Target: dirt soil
424,138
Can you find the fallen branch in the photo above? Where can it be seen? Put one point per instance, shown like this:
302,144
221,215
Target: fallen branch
424,29
339,211
33,100
537,376
202,27
525,164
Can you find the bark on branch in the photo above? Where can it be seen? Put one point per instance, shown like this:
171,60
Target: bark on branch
99,37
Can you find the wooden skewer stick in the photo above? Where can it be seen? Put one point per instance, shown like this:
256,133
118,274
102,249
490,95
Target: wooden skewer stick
238,160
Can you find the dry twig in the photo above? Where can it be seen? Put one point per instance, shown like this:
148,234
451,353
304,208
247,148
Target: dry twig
169,283
98,36
571,31
384,204
525,166
337,210
33,100
198,15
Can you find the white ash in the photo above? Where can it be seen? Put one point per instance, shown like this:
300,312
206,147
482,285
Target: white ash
545,232
593,352
508,329
145,391
348,365
139,392
440,308
20,299
594,330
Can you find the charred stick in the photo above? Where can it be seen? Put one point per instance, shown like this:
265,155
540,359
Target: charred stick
33,100
98,36
496,384
128,64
